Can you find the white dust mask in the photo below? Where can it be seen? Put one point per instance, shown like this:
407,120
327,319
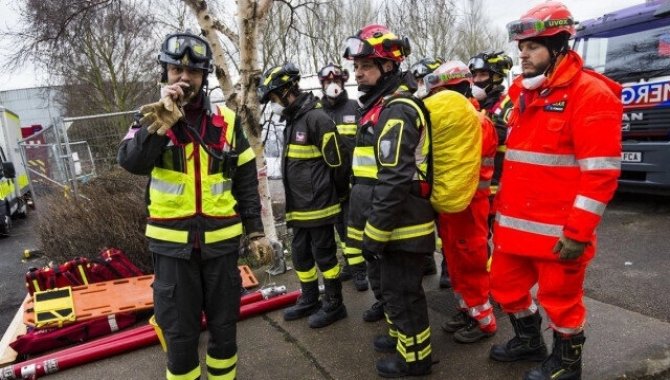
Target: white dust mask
478,92
276,108
333,90
533,82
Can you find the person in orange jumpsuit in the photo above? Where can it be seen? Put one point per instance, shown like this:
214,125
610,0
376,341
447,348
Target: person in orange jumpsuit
561,167
464,234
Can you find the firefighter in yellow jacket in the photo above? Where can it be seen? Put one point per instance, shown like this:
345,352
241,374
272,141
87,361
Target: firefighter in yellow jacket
312,172
202,197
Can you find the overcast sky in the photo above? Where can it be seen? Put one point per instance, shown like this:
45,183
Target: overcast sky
500,13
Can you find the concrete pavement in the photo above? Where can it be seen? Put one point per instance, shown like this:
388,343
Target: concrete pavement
620,345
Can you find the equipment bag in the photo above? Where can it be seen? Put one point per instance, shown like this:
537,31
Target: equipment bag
455,144
71,273
111,265
40,340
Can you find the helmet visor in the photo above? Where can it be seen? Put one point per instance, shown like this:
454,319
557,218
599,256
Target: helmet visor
177,45
354,47
420,70
527,28
477,63
330,72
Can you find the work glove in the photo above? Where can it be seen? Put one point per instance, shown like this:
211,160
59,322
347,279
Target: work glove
159,117
260,248
568,249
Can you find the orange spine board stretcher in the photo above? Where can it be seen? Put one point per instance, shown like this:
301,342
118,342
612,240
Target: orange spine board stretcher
110,297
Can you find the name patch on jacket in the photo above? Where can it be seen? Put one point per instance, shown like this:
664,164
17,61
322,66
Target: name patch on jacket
300,137
349,119
555,107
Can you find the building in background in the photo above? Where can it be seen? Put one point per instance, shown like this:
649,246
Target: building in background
35,105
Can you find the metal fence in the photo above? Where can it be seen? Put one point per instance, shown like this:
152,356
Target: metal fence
74,151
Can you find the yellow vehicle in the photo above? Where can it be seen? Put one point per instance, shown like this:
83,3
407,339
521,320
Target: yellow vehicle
14,182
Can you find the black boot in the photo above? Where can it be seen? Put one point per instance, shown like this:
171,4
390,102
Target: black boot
565,361
385,343
456,322
345,274
308,302
528,343
395,366
359,272
333,308
374,313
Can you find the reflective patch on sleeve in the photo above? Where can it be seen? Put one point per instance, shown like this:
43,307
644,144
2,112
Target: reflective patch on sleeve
388,145
330,150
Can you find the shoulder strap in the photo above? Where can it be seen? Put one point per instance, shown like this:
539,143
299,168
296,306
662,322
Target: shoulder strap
229,117
424,116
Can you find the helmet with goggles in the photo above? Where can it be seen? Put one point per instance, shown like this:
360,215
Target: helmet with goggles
494,62
188,50
277,78
544,20
376,41
333,72
448,74
425,67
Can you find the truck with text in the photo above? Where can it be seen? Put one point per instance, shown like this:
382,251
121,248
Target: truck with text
632,46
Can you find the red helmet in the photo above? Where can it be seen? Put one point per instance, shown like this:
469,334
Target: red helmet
544,20
448,74
376,41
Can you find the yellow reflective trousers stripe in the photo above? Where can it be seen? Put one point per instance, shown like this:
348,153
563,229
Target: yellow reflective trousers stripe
307,276
193,374
221,365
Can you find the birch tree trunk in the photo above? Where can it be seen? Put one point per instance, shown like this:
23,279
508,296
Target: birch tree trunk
249,14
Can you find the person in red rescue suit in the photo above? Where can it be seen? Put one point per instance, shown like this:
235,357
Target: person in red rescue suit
464,234
314,175
390,159
202,196
344,112
489,70
560,171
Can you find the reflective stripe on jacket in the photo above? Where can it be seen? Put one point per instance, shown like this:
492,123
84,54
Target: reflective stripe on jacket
400,218
562,161
489,147
191,200
312,164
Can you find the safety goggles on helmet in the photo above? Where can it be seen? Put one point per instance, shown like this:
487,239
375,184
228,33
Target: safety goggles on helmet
179,44
434,80
354,47
333,72
477,63
527,28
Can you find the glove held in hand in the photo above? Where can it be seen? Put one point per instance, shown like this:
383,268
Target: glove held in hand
569,249
159,117
260,248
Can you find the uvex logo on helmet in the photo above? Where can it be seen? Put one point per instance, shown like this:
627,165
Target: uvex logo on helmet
544,20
